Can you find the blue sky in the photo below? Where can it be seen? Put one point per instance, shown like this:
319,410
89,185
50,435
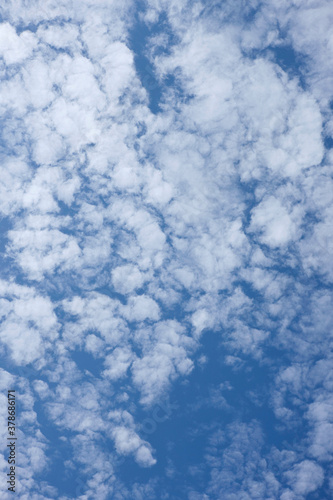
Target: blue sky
166,222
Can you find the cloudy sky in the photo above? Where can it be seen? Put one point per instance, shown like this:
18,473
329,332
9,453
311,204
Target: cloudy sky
166,220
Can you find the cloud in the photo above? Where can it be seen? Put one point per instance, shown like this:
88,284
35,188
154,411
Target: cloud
14,48
321,416
117,363
127,440
305,477
141,308
29,324
165,356
129,234
274,223
127,278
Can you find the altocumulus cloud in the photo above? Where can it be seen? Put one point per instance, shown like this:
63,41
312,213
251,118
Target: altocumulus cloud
166,246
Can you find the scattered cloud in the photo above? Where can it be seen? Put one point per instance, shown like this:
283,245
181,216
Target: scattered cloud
132,231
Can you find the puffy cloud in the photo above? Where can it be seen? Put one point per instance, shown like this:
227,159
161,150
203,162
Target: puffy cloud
127,441
130,233
117,363
165,356
141,308
274,223
306,477
127,278
15,48
29,324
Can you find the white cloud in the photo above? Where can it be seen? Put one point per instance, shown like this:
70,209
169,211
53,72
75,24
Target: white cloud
305,477
126,279
320,414
117,363
274,222
127,440
141,308
29,324
14,49
195,204
59,36
165,356
42,251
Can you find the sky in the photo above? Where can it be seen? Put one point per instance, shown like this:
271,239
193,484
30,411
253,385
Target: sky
166,240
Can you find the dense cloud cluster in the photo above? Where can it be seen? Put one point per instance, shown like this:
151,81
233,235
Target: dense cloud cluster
153,194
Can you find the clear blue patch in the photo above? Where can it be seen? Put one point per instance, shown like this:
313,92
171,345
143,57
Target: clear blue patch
179,427
290,61
86,362
5,226
139,37
328,142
